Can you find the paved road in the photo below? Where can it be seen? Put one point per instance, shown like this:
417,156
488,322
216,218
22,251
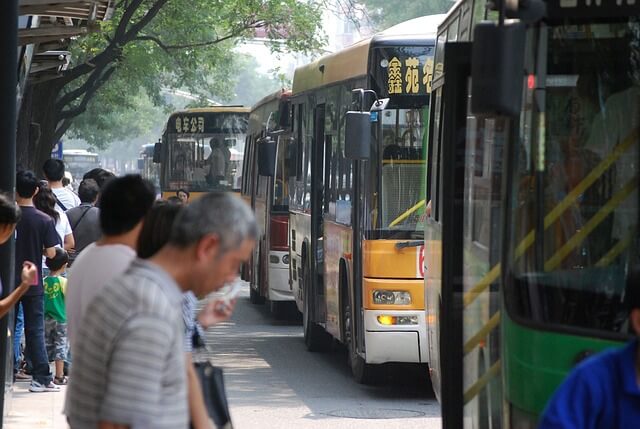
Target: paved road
273,382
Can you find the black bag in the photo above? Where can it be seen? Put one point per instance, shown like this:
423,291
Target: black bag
214,394
211,380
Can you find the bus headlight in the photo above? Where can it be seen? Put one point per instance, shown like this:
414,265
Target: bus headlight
394,297
274,259
397,320
285,259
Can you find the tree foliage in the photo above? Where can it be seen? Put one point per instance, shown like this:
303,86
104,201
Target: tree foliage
385,13
151,45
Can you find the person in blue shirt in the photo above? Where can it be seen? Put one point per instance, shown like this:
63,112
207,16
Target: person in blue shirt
603,391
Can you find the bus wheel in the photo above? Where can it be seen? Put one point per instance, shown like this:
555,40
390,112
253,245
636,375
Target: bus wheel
278,309
363,373
254,294
315,338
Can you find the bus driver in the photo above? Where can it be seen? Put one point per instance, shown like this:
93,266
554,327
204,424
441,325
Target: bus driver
217,161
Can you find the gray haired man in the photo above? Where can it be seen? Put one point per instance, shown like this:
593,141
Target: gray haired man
129,370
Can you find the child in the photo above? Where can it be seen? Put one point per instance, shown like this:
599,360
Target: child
55,288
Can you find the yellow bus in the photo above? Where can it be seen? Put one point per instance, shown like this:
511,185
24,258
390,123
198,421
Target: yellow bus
202,150
355,226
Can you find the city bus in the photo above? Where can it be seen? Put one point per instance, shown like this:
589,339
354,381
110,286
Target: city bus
79,161
202,149
267,191
534,202
355,229
148,169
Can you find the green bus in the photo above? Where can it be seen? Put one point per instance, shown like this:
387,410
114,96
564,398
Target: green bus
534,201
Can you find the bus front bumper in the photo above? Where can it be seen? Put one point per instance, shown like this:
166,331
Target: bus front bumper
406,343
279,289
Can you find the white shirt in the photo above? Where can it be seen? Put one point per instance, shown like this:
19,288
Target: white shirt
95,267
63,227
66,197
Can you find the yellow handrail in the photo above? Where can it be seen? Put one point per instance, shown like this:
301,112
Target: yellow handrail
554,214
406,214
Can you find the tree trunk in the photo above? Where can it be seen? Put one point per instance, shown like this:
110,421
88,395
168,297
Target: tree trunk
37,126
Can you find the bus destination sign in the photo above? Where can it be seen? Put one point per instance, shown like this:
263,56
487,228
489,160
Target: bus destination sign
404,71
207,123
591,8
188,124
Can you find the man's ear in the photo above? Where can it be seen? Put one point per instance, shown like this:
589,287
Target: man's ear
634,320
208,247
6,229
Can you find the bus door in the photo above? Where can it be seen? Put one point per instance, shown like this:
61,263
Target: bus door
447,203
318,192
472,159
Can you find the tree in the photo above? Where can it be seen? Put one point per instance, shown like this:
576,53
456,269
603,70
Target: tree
385,13
152,45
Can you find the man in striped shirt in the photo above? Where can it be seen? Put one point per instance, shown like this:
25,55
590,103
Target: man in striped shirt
129,370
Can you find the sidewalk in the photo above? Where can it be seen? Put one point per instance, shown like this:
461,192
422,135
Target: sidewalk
35,410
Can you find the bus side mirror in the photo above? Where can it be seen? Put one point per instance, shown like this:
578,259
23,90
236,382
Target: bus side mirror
497,68
267,152
157,153
284,116
358,135
291,157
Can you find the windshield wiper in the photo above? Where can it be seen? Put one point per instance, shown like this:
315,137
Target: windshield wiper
405,244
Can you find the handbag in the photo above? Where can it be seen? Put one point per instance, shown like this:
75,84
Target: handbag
213,391
211,380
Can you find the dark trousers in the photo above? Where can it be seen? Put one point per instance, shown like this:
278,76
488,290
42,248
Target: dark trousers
33,311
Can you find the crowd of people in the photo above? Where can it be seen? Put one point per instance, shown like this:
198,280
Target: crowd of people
107,282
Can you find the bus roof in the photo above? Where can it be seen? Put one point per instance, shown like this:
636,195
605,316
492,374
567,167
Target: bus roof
215,109
352,61
274,96
77,152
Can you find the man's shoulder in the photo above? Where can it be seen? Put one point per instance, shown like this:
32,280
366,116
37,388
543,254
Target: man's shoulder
34,218
599,371
150,289
140,294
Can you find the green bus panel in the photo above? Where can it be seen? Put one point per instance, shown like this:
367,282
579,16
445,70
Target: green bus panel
535,362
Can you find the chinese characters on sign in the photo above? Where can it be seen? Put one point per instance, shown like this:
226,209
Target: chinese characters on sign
427,73
409,82
395,76
190,124
411,77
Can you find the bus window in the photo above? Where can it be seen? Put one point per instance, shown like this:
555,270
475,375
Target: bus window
401,191
584,188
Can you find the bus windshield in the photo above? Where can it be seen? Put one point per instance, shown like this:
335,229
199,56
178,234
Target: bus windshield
401,196
574,195
80,163
209,160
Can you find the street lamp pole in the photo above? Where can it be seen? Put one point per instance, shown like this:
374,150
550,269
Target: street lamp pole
8,84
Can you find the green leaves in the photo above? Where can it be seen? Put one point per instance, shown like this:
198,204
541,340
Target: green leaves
188,45
386,13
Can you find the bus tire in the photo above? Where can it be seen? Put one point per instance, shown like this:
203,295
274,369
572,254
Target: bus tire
278,309
315,338
254,294
363,373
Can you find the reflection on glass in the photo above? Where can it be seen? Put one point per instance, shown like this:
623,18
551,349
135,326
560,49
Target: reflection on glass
210,160
401,199
581,183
